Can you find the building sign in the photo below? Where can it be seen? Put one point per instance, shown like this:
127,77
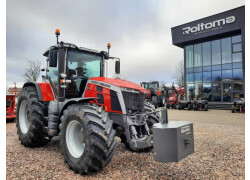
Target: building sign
207,27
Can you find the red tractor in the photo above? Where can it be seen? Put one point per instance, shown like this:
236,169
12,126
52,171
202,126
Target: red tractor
154,93
174,97
87,110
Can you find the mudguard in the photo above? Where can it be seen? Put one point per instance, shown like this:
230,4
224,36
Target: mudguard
44,90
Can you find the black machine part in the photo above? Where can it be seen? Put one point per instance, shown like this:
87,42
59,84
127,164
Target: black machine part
173,140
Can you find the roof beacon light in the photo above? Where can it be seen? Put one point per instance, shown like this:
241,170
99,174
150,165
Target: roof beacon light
108,45
57,34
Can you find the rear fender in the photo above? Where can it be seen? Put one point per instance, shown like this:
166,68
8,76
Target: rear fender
44,91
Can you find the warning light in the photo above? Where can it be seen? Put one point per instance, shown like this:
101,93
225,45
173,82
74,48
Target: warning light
109,45
57,32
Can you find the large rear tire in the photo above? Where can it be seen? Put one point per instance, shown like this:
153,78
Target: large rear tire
30,121
86,138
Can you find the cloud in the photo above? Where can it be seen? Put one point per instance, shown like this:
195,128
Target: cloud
139,31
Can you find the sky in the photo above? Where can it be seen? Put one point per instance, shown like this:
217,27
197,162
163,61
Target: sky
139,32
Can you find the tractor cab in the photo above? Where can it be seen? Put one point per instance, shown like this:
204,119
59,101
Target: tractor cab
150,85
69,67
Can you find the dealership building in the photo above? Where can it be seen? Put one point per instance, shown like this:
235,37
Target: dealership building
214,56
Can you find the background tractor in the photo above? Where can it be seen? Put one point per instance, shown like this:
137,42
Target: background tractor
174,96
154,93
87,110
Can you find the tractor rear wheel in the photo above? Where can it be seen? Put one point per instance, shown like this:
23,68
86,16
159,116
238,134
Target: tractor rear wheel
30,121
86,138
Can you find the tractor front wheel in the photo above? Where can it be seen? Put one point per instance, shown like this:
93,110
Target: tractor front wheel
162,101
30,121
154,101
190,107
206,107
86,138
180,107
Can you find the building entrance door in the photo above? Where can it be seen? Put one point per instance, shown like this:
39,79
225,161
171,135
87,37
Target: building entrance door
222,92
227,92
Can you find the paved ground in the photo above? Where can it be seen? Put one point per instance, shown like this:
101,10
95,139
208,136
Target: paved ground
219,154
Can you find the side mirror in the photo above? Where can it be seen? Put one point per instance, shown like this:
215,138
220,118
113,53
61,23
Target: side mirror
117,67
52,58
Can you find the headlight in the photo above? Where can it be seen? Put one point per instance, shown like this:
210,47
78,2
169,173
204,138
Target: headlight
130,90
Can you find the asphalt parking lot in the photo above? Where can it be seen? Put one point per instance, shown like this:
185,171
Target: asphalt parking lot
219,154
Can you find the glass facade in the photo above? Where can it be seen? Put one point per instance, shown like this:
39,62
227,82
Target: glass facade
214,69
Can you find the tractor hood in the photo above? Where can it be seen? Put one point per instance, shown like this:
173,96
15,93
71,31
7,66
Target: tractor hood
118,82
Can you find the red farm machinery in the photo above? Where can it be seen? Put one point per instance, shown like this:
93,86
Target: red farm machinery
154,93
11,105
174,96
87,110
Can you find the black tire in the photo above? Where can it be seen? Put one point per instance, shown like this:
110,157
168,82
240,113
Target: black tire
206,107
233,109
32,134
180,107
195,107
152,118
190,107
154,101
98,136
162,100
168,106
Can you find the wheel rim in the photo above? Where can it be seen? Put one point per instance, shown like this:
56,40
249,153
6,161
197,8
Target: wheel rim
23,119
75,139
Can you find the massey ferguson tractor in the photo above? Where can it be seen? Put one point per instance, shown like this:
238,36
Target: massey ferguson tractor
154,93
87,110
174,97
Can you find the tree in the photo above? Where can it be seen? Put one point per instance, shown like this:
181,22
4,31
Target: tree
32,71
179,73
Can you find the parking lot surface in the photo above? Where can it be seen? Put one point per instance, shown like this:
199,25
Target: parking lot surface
219,154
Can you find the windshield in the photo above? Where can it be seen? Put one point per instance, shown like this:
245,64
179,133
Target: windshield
80,67
150,85
83,64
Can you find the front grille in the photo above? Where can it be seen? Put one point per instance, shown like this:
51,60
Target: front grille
133,101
